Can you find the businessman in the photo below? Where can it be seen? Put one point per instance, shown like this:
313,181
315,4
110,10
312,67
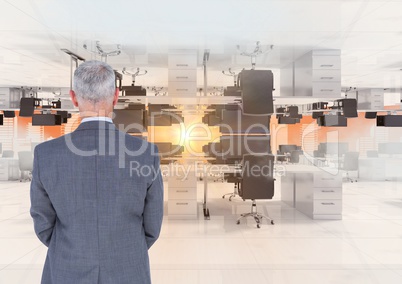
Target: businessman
97,217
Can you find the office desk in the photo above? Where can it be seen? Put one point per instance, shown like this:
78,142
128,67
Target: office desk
381,168
9,169
314,191
207,171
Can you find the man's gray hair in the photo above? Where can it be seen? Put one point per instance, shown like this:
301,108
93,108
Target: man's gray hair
94,81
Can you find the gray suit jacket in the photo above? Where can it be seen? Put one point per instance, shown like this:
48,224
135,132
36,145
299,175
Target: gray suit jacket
97,203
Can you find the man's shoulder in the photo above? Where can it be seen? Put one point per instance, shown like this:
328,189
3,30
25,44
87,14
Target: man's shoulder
139,141
51,144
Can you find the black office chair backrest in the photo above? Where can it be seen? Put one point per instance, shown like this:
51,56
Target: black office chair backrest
351,161
257,177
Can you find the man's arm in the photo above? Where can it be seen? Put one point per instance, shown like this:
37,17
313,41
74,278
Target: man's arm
42,211
153,209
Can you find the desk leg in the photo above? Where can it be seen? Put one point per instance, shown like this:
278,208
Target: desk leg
204,205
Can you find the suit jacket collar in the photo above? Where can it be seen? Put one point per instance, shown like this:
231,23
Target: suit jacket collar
91,125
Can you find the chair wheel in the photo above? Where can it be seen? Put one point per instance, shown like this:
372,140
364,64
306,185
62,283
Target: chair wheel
223,196
272,222
238,222
230,198
258,226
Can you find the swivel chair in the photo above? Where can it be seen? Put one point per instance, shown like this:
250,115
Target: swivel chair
280,157
257,183
233,178
25,163
295,156
8,154
350,163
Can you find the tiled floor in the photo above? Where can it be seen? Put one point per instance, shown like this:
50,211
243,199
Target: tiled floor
365,247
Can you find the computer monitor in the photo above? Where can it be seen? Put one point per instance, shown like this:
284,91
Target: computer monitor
130,120
235,146
370,115
46,119
288,120
211,119
158,117
234,121
389,120
348,107
9,113
288,148
232,91
27,107
134,91
332,121
166,149
390,148
64,115
333,148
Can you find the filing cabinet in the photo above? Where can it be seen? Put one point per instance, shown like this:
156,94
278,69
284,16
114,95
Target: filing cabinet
4,98
182,76
182,195
316,74
327,195
182,88
328,60
9,169
370,99
314,192
182,60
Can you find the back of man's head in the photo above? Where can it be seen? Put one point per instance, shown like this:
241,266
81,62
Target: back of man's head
94,82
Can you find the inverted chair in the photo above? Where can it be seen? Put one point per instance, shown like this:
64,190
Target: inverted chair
25,163
257,183
350,163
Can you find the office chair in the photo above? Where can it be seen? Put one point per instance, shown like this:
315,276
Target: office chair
8,154
350,163
25,163
233,178
257,183
280,158
295,156
372,154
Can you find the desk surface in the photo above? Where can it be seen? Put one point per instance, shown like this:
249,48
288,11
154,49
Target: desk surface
297,168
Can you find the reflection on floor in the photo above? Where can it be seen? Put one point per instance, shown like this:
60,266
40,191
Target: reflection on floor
364,247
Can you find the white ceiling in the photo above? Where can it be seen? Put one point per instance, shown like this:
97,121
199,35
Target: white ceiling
32,32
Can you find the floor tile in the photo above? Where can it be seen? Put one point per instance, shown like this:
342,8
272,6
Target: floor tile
333,276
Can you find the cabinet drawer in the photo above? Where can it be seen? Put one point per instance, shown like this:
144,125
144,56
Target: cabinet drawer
330,206
327,89
3,176
182,61
182,193
183,180
182,88
182,207
327,62
322,179
183,75
327,193
326,75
